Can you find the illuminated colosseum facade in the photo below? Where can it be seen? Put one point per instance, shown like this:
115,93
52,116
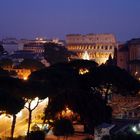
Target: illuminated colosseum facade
97,46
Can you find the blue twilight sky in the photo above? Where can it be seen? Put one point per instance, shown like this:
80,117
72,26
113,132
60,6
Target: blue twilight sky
56,18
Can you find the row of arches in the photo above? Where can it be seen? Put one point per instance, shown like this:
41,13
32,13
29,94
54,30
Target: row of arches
95,55
90,47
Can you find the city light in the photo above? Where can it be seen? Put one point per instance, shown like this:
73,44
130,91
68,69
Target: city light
83,71
136,73
85,56
25,78
67,112
134,128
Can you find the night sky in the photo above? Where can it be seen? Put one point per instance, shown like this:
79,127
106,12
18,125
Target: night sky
56,18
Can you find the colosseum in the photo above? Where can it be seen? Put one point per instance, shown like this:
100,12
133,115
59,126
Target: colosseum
95,47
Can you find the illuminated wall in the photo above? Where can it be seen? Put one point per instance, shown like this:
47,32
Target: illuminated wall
98,46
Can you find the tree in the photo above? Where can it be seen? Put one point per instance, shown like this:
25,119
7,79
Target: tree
9,84
1,49
55,53
49,76
108,79
63,127
82,66
31,64
6,63
26,90
111,61
33,94
4,73
83,93
11,104
63,86
11,101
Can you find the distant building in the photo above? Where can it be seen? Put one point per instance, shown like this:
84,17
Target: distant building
10,45
134,57
37,45
9,41
34,47
19,56
123,57
125,107
128,57
98,46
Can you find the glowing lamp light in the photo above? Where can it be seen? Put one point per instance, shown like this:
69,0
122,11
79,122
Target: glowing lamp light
41,39
134,128
83,71
25,78
85,56
67,112
136,73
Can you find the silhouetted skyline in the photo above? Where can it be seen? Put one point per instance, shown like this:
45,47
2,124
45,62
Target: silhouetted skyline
56,18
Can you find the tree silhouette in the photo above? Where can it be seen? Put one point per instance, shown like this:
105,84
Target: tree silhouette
4,73
111,61
65,87
33,94
11,100
111,79
11,104
63,127
55,53
1,49
31,64
6,63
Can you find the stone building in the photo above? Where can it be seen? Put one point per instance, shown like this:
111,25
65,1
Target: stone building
128,57
34,47
134,57
98,46
123,57
125,107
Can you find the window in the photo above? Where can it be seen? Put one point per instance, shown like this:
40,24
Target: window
106,47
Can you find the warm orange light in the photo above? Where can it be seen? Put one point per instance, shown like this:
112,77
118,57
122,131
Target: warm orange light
25,78
24,74
83,71
67,112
